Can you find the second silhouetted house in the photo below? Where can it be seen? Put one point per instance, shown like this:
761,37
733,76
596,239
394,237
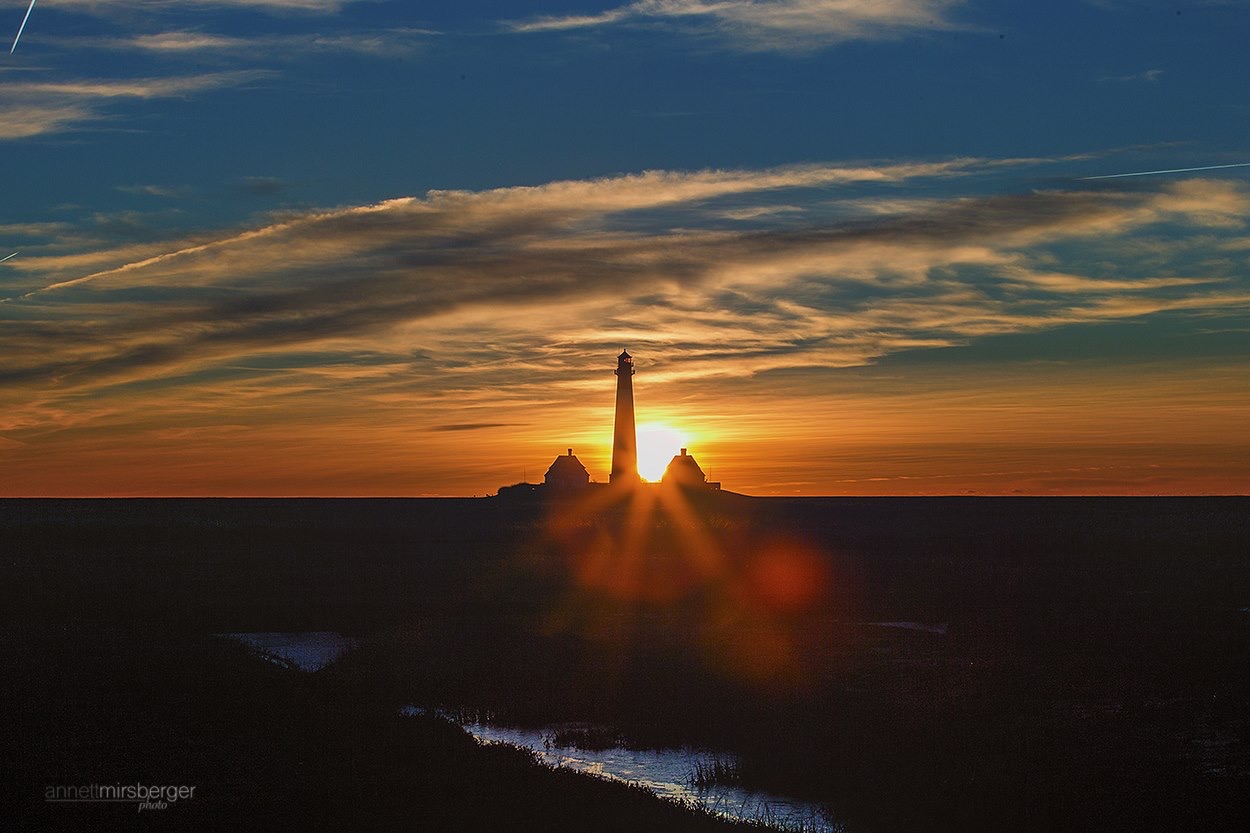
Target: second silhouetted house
682,470
566,474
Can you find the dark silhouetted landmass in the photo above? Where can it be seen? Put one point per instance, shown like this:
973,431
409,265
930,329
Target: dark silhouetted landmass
915,664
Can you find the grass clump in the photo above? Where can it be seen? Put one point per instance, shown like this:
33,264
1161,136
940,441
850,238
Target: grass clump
587,738
717,772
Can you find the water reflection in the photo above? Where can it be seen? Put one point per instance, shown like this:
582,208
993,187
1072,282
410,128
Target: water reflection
668,773
306,651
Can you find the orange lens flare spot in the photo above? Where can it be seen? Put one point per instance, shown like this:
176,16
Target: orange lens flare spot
786,576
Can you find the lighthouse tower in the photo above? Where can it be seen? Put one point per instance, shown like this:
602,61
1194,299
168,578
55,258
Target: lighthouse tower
624,439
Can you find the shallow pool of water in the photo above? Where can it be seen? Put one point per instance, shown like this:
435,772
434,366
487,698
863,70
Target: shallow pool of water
306,650
665,772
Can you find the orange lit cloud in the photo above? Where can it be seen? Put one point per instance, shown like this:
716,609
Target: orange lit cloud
35,108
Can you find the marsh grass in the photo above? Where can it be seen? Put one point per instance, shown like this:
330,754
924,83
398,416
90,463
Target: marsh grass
589,738
716,772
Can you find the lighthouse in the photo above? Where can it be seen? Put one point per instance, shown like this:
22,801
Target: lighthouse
624,439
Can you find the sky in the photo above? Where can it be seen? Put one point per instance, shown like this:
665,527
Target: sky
856,247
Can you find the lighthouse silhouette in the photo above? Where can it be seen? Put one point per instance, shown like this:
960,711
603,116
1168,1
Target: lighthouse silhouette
624,439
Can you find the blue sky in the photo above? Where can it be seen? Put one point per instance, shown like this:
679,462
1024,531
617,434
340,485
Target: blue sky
269,230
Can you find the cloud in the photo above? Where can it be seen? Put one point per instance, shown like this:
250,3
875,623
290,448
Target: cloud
199,44
132,88
152,190
757,212
36,108
20,120
1150,75
180,42
774,25
264,186
128,7
471,275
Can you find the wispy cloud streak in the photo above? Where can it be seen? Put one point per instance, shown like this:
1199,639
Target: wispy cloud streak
776,25
36,108
381,43
129,7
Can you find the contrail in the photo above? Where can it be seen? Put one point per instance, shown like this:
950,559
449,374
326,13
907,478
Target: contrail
22,28
3,259
1171,171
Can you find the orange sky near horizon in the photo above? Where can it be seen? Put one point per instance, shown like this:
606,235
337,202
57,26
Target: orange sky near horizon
1158,430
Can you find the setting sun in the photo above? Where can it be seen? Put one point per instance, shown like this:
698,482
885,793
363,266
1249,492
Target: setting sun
657,445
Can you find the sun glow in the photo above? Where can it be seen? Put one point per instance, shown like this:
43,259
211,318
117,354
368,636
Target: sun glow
657,444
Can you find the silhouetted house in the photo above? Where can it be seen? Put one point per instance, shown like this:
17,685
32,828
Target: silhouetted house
682,470
567,473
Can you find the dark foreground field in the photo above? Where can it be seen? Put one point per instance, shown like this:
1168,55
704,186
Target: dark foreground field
1080,664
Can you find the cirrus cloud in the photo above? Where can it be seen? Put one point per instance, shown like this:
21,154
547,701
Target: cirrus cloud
107,7
449,266
37,108
775,25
